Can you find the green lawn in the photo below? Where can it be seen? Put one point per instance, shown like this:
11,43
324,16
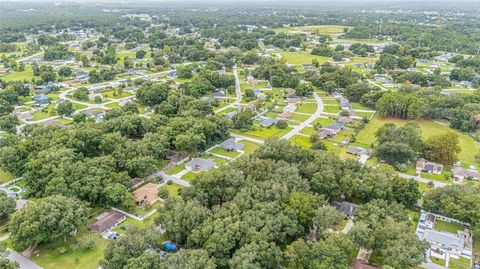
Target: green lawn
438,261
367,115
308,131
50,258
264,132
331,109
113,105
78,106
469,146
172,189
330,101
448,226
175,170
320,29
115,94
191,175
23,75
249,146
461,263
302,57
360,106
40,115
301,141
324,121
309,108
64,121
299,117
224,152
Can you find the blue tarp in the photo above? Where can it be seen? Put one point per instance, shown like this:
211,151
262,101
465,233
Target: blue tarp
169,246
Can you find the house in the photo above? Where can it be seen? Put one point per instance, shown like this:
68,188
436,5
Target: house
199,164
231,145
345,119
284,116
97,114
107,221
267,122
336,127
460,173
290,107
361,264
230,115
9,192
324,133
220,92
41,100
146,195
358,151
430,167
445,244
259,94
346,208
344,104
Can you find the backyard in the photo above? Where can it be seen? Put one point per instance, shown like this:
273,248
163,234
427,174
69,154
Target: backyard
302,57
450,227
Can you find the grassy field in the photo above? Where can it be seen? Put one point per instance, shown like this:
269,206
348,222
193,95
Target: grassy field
224,152
469,146
175,170
299,117
301,141
113,105
264,132
448,226
324,121
308,131
40,115
249,147
320,29
331,109
50,257
172,189
115,95
23,75
309,108
302,57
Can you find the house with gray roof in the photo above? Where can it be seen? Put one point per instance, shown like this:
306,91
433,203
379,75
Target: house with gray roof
199,164
267,122
345,207
231,145
460,173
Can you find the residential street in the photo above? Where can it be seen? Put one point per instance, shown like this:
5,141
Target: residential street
238,91
310,120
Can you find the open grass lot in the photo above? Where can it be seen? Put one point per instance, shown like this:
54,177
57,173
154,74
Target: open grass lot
23,75
308,131
448,226
172,189
50,257
366,137
64,121
367,115
302,57
309,108
301,141
438,261
330,101
78,106
363,60
40,115
175,170
224,152
264,132
324,121
113,105
5,176
320,29
331,109
299,117
249,147
115,94
191,175
359,40
360,106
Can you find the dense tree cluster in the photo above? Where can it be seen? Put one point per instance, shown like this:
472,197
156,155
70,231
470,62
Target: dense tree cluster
241,214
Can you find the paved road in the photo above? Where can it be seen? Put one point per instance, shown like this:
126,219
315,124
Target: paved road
436,184
238,90
310,120
432,266
23,261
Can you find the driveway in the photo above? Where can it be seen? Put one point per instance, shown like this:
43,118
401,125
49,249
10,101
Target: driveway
237,90
23,261
436,184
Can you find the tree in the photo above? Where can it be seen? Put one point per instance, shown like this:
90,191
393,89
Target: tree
65,108
7,205
47,220
243,120
326,217
119,252
256,255
189,259
304,90
281,124
443,148
151,95
65,71
140,54
9,123
81,94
